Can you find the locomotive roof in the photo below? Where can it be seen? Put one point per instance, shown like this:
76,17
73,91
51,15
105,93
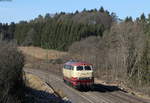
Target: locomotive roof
77,63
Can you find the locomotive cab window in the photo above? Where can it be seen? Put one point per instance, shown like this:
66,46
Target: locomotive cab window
79,68
87,68
69,67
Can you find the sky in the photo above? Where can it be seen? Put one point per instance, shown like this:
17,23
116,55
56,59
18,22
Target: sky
17,10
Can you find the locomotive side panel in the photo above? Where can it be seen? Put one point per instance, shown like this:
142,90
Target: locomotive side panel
68,71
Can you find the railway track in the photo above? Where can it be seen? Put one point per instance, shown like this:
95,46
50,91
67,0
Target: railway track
101,94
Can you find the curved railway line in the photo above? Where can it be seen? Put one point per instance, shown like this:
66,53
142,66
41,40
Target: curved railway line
101,93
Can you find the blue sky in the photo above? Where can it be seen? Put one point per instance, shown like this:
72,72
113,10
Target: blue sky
29,9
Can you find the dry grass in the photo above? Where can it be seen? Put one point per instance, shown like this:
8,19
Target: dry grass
36,83
35,58
40,53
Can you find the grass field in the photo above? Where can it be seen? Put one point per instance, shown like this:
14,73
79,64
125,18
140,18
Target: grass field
40,53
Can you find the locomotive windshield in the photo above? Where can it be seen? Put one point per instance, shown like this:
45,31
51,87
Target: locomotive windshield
87,68
79,68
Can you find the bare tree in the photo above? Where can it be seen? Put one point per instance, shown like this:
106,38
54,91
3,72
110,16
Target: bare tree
118,55
11,74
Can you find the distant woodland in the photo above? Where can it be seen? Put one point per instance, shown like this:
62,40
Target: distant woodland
58,31
119,49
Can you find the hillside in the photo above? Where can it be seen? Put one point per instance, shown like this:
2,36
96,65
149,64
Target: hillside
40,53
58,31
39,62
38,91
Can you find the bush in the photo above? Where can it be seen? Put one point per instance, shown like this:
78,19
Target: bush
11,74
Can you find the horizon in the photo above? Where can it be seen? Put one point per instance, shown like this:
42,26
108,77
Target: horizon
25,10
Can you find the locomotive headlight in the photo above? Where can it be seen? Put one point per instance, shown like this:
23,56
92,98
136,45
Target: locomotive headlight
75,78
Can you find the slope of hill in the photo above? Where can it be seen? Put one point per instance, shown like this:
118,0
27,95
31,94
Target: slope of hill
36,62
40,53
38,91
60,31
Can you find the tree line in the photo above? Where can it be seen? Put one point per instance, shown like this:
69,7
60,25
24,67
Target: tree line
60,30
119,49
122,54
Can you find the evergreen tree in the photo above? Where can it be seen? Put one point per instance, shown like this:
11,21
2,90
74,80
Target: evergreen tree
101,9
128,19
143,18
60,31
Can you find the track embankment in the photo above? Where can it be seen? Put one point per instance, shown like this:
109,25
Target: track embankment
100,94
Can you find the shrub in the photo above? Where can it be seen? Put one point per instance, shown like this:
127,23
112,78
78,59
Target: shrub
11,74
